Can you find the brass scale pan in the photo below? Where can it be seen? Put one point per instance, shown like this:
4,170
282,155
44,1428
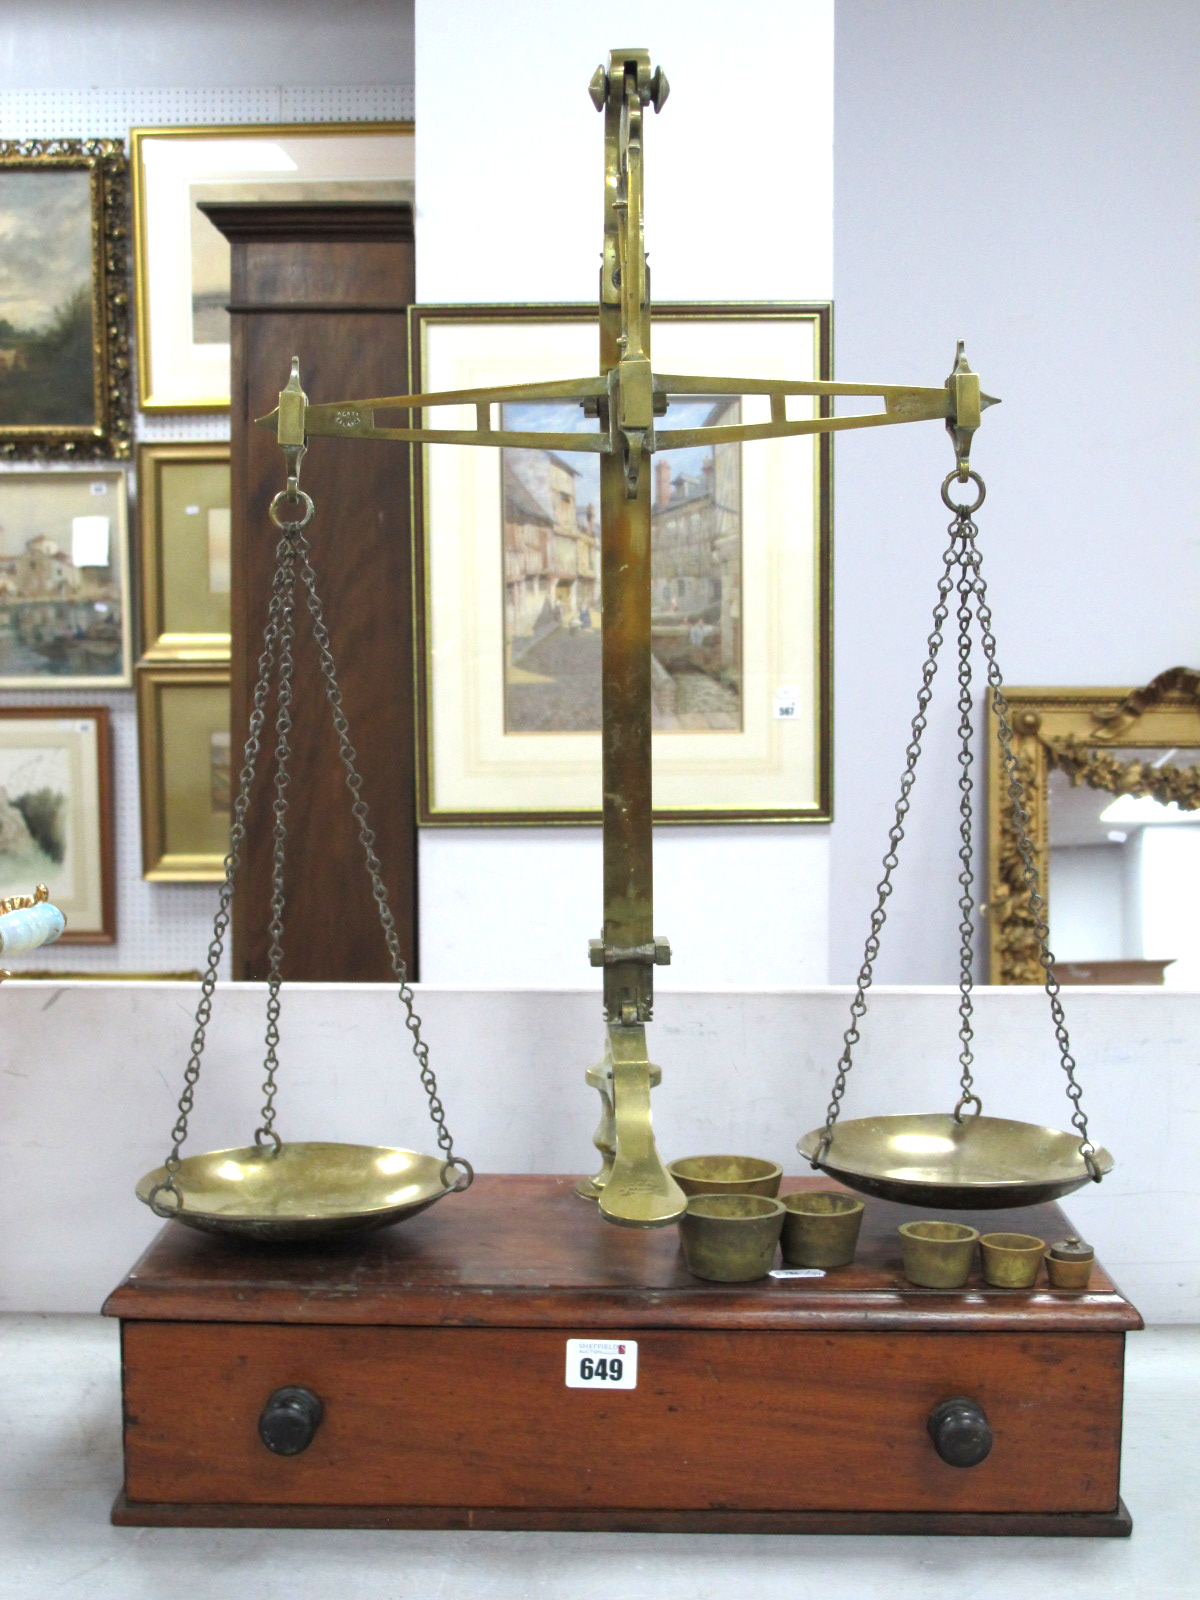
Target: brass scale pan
314,1190
303,1191
980,1163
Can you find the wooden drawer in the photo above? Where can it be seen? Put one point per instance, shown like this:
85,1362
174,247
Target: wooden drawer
736,1420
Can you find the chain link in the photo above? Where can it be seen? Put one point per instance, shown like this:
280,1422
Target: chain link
278,637
966,876
237,837
1037,903
366,837
866,974
283,726
963,555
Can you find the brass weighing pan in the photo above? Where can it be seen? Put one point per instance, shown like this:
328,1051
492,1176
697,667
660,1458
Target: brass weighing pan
935,1160
302,1191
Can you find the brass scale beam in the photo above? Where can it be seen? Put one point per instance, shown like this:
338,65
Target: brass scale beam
627,397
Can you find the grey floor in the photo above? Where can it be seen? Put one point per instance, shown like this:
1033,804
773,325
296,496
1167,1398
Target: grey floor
60,1465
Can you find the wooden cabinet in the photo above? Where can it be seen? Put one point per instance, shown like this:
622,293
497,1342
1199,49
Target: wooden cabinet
330,284
437,1353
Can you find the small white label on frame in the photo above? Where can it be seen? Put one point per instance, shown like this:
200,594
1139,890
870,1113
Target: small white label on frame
786,703
98,487
191,511
601,1363
89,541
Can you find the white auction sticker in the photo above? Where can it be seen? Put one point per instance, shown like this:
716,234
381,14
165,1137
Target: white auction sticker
786,703
601,1364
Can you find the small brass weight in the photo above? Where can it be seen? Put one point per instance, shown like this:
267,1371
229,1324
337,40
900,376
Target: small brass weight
628,399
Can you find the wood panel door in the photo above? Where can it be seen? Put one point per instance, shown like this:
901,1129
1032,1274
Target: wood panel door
329,283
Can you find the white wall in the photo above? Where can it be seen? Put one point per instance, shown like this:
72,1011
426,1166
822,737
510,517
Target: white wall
129,44
87,1110
1019,172
1024,174
509,170
1088,890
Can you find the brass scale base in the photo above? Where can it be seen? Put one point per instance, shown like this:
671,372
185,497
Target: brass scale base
309,1193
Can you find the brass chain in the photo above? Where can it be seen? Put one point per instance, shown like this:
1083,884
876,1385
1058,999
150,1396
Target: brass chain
964,555
283,727
366,838
277,650
280,592
1037,903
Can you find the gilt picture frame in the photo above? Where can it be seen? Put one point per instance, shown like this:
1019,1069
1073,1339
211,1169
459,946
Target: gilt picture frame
65,375
184,763
64,579
182,261
1116,741
507,581
184,519
56,814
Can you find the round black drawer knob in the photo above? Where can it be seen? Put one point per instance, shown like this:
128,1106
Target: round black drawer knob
289,1420
960,1433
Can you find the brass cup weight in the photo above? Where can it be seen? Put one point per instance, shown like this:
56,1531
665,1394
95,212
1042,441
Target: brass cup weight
271,1191
821,1229
730,1238
631,403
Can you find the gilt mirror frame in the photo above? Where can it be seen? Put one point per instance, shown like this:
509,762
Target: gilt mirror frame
1076,730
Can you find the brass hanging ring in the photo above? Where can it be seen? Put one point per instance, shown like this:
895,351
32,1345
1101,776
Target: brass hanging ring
967,1100
156,1205
952,505
468,1172
295,497
261,1142
1088,1151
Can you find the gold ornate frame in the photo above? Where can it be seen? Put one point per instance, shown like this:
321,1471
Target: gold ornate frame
1076,730
110,431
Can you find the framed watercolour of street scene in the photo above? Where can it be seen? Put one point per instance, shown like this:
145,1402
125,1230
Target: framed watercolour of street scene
183,285
184,518
56,817
64,580
184,763
65,383
508,578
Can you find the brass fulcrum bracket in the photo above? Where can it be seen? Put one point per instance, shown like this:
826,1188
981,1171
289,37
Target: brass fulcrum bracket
628,399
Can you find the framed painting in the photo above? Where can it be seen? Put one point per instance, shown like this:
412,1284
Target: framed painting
184,767
64,580
65,385
184,517
183,260
508,580
56,817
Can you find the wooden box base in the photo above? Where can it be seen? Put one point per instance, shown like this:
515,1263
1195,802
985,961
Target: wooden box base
438,1352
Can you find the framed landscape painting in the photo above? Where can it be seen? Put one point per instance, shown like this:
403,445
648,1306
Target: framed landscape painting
508,582
65,387
182,260
64,580
56,823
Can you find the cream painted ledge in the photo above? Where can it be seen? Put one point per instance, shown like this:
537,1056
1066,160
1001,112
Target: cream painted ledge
90,1074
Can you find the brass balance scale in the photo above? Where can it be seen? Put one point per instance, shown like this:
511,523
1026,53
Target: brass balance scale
289,1191
416,1379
